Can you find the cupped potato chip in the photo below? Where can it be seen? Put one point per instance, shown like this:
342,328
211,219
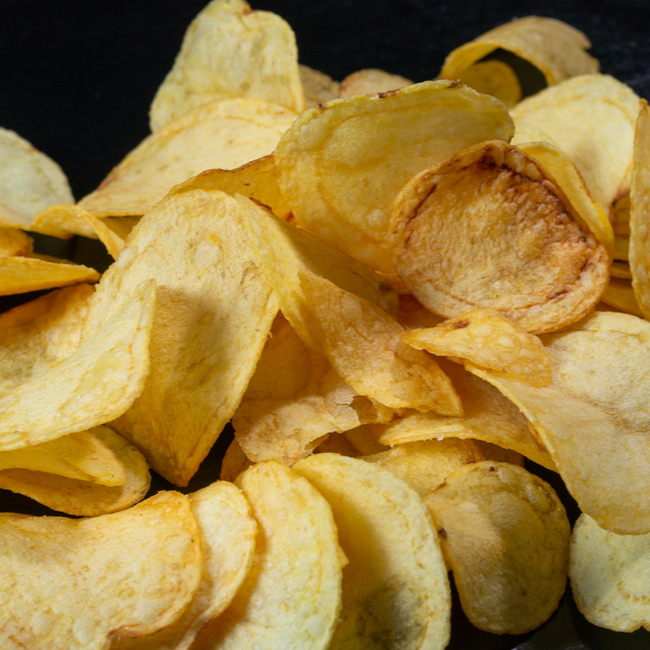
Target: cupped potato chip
291,597
317,86
93,386
73,584
29,181
213,314
83,498
494,78
609,576
506,536
341,164
552,46
598,401
591,117
372,80
229,51
620,294
224,134
485,338
487,228
14,242
228,532
395,587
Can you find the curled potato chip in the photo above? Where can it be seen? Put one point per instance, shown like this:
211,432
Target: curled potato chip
339,171
395,586
230,51
528,255
485,338
83,498
506,536
225,133
609,576
78,582
317,86
366,82
494,78
14,242
291,597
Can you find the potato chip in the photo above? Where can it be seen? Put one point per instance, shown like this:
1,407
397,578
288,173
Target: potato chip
395,587
83,498
412,314
213,315
494,78
228,531
506,535
487,339
491,451
609,576
29,181
317,86
363,441
231,51
75,583
234,462
372,80
599,397
620,294
14,242
93,386
620,269
488,228
337,443
341,165
620,216
621,248
291,597
225,133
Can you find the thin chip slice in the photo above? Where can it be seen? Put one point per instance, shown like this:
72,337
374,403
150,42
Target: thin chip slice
506,536
224,134
494,78
371,80
620,216
14,242
72,584
609,576
363,441
317,86
395,587
228,532
620,294
231,51
234,462
93,386
620,269
488,228
341,164
83,498
291,597
622,248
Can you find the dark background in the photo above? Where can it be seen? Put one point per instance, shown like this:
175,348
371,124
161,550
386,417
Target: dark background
76,80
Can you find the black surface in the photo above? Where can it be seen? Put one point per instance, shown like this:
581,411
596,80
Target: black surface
77,79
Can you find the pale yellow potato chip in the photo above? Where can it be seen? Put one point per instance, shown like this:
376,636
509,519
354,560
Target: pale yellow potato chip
93,386
488,228
609,576
395,587
29,181
371,80
506,536
620,294
14,242
213,314
591,117
317,86
291,597
487,339
494,78
234,462
552,46
228,532
599,395
72,584
231,51
341,164
83,498
224,134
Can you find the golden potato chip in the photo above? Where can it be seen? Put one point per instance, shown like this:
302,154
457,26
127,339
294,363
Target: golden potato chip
231,51
395,587
487,339
591,117
609,576
506,536
291,597
599,397
234,462
83,498
317,86
552,46
212,318
341,165
363,441
93,386
620,269
72,584
337,443
225,133
63,220
620,216
228,531
372,80
14,242
29,181
620,294
491,451
488,228
494,78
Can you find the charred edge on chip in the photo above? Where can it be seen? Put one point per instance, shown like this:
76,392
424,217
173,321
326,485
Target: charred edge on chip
388,93
442,532
461,324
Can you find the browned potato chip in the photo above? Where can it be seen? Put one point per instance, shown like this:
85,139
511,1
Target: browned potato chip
366,82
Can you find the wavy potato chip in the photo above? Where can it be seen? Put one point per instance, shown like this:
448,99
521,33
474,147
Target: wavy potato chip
372,80
73,584
231,51
317,86
494,78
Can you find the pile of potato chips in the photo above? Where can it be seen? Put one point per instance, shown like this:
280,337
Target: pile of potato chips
398,293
